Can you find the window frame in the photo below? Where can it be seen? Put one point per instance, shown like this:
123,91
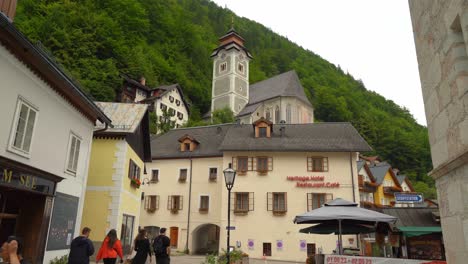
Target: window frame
210,177
266,249
311,165
262,132
201,207
171,203
135,169
14,128
310,200
269,164
183,178
250,203
74,169
152,175
148,203
271,202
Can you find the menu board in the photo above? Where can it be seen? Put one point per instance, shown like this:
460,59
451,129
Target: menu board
62,225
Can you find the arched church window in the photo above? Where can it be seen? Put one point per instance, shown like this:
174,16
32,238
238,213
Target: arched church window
277,115
288,114
268,114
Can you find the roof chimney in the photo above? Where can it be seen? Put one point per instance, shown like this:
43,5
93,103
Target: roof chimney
142,80
8,8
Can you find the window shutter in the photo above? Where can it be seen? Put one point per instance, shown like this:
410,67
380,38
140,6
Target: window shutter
269,201
234,163
169,202
285,201
234,202
181,202
251,201
325,163
270,163
157,202
146,202
309,164
250,164
254,163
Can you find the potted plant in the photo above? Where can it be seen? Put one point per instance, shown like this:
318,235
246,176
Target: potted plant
135,182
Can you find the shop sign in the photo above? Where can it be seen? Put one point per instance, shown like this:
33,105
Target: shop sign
312,182
335,259
25,181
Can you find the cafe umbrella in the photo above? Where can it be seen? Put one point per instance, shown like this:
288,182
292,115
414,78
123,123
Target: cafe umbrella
343,212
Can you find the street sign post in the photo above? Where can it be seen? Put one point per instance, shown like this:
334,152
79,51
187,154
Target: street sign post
409,198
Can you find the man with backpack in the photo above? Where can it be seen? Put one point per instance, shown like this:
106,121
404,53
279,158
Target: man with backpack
161,247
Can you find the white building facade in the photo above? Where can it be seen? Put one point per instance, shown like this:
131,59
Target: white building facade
45,144
276,180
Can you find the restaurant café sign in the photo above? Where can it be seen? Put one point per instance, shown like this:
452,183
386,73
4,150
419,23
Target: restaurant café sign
19,179
312,182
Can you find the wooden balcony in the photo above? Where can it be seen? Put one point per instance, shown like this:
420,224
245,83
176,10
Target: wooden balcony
391,190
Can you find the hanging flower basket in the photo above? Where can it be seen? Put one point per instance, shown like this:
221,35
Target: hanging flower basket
135,183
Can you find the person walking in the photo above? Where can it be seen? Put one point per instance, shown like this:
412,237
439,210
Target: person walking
162,249
142,248
81,248
110,249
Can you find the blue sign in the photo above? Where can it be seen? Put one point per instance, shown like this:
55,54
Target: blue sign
409,198
230,228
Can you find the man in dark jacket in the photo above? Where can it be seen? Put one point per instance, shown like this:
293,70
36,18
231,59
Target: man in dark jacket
81,248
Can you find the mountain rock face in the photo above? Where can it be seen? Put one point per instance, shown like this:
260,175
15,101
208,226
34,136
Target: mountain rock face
171,42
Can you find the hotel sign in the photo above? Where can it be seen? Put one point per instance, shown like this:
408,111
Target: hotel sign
19,179
312,182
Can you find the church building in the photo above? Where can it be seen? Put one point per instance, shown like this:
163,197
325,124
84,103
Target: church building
281,97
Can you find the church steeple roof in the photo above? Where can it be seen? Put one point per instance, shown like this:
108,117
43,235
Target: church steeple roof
231,40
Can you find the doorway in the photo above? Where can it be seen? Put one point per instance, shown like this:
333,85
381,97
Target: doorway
126,233
205,239
174,235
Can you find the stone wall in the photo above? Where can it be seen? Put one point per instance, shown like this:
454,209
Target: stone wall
441,38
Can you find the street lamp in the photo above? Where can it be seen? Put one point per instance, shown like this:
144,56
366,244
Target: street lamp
229,177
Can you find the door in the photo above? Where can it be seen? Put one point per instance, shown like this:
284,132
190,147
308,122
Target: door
174,235
311,249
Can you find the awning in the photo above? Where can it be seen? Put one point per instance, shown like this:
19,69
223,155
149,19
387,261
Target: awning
411,231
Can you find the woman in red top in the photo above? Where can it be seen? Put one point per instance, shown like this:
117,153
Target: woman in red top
110,249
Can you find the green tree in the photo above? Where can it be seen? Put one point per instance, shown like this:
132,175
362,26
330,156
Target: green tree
165,122
223,116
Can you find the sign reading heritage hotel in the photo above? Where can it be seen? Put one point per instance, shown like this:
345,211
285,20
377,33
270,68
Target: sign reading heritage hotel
312,182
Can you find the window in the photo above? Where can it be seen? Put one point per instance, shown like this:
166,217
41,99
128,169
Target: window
204,203
186,146
182,175
262,132
73,153
24,126
126,233
243,202
276,202
277,115
264,164
223,67
177,101
151,203
317,164
163,106
213,174
172,112
242,164
174,203
171,99
288,114
180,115
267,249
316,200
133,170
154,175
240,68
387,183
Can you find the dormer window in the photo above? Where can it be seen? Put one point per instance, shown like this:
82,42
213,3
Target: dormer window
263,128
188,143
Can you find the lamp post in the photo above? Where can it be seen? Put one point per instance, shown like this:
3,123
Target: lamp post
229,177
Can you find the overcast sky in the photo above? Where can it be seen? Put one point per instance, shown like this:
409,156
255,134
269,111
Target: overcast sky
372,40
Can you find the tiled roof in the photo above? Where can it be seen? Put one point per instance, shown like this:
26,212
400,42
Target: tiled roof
125,117
360,164
248,109
413,216
209,138
320,137
379,171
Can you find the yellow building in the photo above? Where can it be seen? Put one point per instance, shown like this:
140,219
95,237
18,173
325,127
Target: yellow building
282,171
118,154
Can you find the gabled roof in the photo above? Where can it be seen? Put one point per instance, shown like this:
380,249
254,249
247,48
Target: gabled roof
401,178
125,117
286,85
379,170
46,68
164,89
135,83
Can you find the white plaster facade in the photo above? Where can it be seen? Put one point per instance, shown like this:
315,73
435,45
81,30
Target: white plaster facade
441,38
259,224
55,121
172,100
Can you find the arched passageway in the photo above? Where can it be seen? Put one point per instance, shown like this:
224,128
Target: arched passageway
205,239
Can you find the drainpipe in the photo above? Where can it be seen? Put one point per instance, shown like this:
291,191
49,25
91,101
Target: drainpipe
189,207
354,191
102,129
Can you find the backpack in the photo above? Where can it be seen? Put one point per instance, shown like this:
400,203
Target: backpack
158,246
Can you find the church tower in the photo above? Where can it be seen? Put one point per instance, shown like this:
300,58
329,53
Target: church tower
230,87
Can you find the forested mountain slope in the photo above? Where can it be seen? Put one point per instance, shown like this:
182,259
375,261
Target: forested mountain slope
170,41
